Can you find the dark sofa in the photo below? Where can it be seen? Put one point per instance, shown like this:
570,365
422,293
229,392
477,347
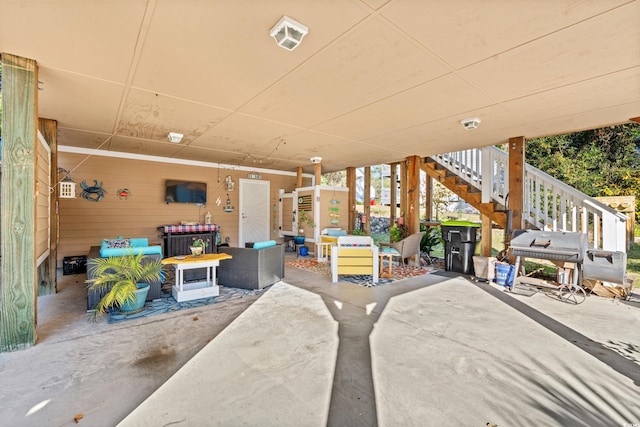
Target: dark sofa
94,297
251,268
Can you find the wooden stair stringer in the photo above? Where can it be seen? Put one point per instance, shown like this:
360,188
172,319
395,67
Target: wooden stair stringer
466,191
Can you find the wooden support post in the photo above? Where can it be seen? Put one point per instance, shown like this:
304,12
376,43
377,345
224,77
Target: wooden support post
487,236
299,181
393,193
366,226
403,190
47,281
351,184
318,173
428,202
18,302
516,181
413,194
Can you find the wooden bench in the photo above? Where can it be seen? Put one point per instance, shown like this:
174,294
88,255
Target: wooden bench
354,255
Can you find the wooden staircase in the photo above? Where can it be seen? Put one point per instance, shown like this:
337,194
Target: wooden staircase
464,189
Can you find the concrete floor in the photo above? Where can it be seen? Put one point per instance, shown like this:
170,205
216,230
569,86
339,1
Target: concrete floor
429,351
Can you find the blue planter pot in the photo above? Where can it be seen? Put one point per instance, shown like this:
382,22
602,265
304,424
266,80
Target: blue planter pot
138,304
299,240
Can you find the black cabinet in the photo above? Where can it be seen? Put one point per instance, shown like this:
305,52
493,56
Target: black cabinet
177,243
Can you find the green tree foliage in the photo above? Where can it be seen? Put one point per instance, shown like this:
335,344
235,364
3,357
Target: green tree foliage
600,162
334,179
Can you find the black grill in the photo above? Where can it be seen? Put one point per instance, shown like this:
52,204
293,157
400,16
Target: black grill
550,245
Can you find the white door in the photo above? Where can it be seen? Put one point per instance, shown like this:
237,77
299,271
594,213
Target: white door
254,211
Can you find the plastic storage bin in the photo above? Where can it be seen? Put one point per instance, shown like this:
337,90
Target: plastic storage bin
74,265
460,239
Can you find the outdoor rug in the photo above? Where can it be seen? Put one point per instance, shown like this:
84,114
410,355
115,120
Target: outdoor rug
167,304
362,280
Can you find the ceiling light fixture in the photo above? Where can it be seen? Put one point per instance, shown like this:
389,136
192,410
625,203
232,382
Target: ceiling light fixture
175,137
288,33
470,123
315,160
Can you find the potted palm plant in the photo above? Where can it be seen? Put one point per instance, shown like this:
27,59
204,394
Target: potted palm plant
123,279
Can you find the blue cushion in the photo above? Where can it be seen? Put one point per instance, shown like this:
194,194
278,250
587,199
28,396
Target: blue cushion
335,233
265,244
388,250
139,242
145,250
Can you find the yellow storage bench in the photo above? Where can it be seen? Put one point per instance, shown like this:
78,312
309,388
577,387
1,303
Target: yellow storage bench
354,255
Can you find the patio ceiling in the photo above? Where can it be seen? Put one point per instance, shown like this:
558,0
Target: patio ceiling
373,82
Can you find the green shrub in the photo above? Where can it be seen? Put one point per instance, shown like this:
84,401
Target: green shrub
398,232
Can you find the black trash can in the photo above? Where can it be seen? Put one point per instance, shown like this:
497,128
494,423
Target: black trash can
460,238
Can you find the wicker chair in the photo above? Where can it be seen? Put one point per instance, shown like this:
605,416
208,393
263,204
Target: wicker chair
408,247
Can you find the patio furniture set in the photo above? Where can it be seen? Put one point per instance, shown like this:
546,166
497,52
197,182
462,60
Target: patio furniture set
254,267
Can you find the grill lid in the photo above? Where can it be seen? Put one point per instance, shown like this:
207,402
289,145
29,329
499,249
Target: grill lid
549,245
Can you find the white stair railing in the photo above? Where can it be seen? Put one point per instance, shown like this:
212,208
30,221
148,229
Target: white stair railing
548,203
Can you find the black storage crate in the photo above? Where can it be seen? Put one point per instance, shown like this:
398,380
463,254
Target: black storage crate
74,265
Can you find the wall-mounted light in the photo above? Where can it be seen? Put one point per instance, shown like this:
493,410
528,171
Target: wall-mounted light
288,33
175,137
470,123
67,188
230,183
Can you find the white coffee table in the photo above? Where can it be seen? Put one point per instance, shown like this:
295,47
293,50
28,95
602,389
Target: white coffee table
194,290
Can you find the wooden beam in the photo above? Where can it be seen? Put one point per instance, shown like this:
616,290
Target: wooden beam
366,200
403,190
413,194
351,184
18,311
516,181
299,181
47,281
635,119
393,193
428,202
318,173
487,236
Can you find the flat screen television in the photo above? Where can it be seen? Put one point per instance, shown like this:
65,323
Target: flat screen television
185,192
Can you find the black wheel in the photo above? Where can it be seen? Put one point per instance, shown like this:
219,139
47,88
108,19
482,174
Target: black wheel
572,294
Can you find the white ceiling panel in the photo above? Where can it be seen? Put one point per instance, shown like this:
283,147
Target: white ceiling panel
428,102
150,115
597,47
78,102
373,81
465,32
90,37
368,64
